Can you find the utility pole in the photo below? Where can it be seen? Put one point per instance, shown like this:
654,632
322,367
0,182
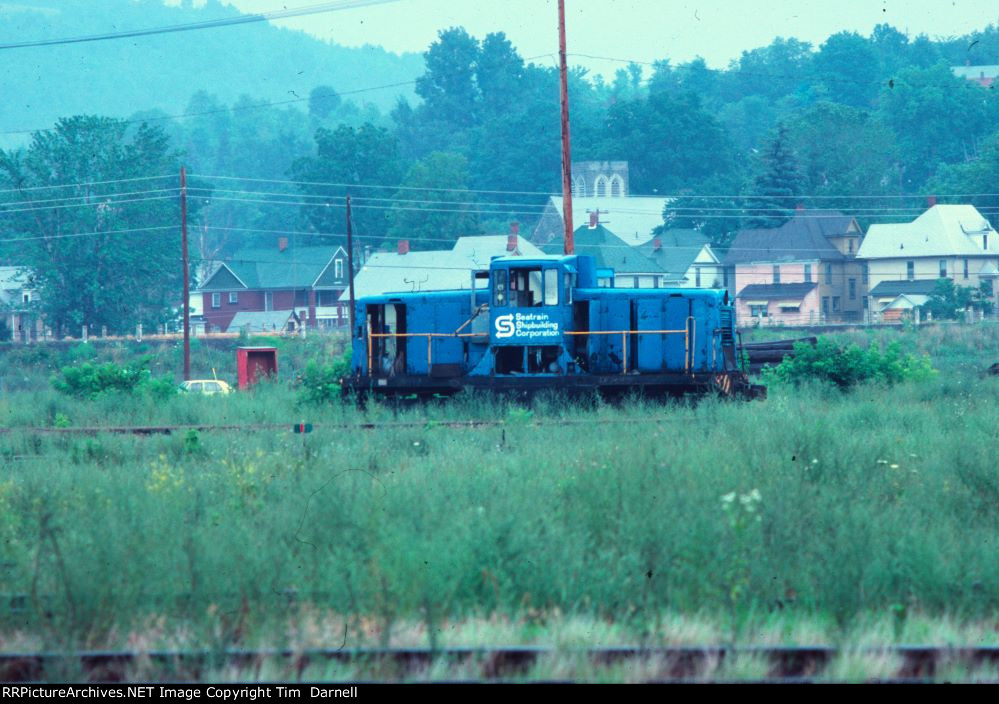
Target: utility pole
187,274
570,246
350,268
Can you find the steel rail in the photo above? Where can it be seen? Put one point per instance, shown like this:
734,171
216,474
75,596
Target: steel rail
685,663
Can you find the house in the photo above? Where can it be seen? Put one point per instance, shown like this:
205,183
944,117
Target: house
305,279
19,304
600,179
619,265
674,259
895,300
985,76
408,271
284,321
803,272
631,218
686,257
953,242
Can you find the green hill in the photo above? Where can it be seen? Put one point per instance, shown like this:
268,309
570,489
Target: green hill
124,76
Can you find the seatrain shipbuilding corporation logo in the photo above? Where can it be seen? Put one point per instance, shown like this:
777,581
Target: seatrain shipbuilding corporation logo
526,325
504,326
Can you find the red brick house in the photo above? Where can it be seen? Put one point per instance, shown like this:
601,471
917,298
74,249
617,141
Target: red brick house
305,280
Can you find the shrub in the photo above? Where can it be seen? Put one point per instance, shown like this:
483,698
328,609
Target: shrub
90,380
850,365
320,383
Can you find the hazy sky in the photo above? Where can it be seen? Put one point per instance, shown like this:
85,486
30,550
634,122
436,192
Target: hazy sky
643,30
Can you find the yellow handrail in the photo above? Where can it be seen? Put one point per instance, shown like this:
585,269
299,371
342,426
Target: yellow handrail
689,336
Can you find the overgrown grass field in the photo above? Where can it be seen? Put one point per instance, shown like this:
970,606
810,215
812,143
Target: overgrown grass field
816,516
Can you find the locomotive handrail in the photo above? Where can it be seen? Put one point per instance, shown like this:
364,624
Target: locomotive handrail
690,336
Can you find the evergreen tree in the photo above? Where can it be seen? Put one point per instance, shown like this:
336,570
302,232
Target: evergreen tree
776,187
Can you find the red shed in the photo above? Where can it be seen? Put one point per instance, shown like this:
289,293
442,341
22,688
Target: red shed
253,362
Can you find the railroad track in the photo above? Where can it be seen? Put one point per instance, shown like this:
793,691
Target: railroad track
275,427
659,664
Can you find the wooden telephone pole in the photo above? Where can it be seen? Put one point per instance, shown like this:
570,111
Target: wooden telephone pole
350,268
570,246
187,274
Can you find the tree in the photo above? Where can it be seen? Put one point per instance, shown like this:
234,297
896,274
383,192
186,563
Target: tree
448,87
850,69
366,158
844,151
104,248
948,300
323,100
434,208
979,176
777,185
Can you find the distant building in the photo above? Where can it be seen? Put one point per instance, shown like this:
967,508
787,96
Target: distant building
804,271
19,304
953,242
631,219
305,280
599,179
408,271
985,76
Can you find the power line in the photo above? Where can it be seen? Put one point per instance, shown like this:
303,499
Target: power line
207,24
85,184
103,204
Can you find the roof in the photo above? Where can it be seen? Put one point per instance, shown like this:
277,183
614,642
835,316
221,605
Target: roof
943,230
272,268
803,237
260,321
608,250
439,270
788,292
14,277
895,288
677,250
976,72
631,218
905,301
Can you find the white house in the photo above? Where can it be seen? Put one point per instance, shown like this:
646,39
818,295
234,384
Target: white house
946,242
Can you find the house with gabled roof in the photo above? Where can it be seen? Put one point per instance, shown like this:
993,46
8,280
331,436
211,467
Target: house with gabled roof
687,258
631,218
953,242
306,280
805,271
619,265
455,269
19,302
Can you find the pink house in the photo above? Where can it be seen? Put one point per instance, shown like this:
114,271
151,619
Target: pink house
792,300
801,273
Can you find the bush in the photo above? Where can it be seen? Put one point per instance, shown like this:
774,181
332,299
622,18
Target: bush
850,365
90,380
320,383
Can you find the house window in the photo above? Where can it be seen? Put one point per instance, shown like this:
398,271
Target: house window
965,268
943,268
835,304
853,289
233,297
985,242
697,277
601,187
850,243
828,274
825,305
26,298
338,268
808,273
910,270
776,273
216,300
302,297
865,274
268,300
758,311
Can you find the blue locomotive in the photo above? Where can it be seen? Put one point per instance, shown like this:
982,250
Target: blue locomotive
543,323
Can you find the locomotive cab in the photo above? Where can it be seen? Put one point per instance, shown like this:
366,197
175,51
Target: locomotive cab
531,314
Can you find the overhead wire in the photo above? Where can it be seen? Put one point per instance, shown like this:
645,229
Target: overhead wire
206,24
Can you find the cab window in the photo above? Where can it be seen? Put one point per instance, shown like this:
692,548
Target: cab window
551,287
499,288
525,287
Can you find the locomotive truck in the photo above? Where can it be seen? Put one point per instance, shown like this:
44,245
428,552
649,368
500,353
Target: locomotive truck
536,323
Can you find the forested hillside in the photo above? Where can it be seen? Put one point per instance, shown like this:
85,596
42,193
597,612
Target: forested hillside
117,78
